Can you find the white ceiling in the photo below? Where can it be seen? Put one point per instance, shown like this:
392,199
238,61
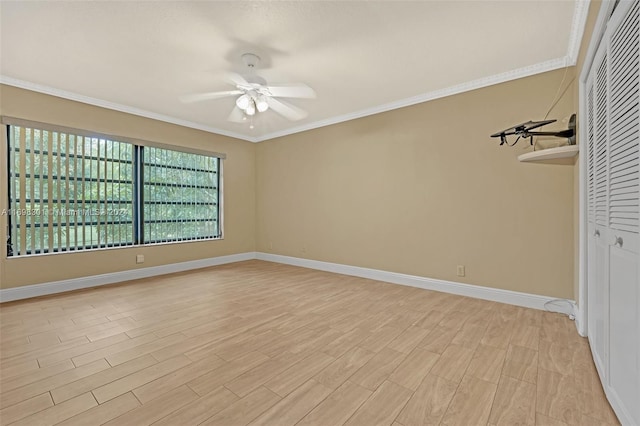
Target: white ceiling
361,57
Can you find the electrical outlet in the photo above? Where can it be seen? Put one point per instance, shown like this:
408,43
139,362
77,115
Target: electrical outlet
460,270
140,258
270,245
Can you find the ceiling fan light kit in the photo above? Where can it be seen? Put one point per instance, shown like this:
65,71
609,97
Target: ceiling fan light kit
256,96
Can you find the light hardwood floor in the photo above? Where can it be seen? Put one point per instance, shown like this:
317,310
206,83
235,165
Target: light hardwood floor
260,343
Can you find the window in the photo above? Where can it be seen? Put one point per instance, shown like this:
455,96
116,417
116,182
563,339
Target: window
180,195
69,190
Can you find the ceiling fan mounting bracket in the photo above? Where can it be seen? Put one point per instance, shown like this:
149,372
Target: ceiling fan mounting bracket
251,60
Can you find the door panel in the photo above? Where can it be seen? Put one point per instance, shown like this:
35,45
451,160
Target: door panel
624,328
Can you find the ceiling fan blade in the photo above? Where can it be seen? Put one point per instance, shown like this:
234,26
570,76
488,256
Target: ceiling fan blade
236,116
292,91
210,95
285,109
236,80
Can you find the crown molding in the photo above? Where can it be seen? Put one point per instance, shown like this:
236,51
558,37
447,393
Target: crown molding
429,96
577,30
578,24
10,81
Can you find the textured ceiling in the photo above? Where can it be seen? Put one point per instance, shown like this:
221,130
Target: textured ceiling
359,56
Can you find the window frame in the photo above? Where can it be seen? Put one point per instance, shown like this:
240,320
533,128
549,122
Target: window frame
138,205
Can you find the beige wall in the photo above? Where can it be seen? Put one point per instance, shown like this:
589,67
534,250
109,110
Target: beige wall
417,190
239,197
422,189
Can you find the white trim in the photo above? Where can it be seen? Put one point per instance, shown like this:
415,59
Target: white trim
10,81
28,291
578,23
582,314
598,32
486,293
436,94
582,309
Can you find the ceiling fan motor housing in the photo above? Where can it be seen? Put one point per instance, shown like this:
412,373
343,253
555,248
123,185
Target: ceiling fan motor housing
251,60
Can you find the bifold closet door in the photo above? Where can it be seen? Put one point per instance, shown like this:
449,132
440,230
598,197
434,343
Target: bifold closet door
597,152
613,210
623,214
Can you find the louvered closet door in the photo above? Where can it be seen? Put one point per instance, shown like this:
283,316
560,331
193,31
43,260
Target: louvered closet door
624,212
597,160
613,210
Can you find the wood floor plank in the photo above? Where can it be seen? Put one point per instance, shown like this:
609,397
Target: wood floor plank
243,411
469,335
514,403
595,406
18,367
521,363
214,379
542,420
292,408
487,363
104,413
243,344
156,409
104,352
382,407
471,404
338,406
408,339
293,377
342,344
259,375
200,409
377,369
380,338
177,378
9,354
497,334
432,318
75,351
146,348
414,368
36,375
281,337
438,339
525,335
556,356
36,388
59,413
557,396
25,408
100,378
429,403
141,377
453,363
455,319
342,368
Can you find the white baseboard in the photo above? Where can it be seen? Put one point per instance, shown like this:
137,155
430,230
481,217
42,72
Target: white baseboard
28,291
487,293
580,323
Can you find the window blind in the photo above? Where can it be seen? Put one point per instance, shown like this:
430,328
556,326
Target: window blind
75,190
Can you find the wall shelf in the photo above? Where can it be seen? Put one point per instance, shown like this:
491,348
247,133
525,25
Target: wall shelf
566,151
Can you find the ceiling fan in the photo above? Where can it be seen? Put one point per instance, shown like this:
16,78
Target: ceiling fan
255,96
